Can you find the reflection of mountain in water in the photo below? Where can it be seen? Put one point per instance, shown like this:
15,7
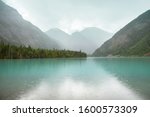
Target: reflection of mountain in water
133,71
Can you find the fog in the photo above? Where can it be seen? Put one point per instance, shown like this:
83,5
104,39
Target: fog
75,15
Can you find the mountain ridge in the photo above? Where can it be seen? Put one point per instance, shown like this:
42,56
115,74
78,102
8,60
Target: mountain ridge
86,40
130,40
15,30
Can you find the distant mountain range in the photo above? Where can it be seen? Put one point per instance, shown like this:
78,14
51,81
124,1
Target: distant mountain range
14,30
60,37
86,40
17,31
132,40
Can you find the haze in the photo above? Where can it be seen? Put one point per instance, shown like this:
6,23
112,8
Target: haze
75,15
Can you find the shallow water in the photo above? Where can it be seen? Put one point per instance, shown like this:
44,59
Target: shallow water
89,78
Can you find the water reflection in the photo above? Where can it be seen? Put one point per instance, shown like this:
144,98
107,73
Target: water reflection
110,88
133,71
92,78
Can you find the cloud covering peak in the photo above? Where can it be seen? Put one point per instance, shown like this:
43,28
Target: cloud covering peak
75,15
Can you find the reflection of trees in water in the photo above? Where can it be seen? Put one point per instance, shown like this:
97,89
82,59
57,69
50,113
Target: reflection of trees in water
133,71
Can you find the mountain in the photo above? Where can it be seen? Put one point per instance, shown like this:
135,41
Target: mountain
90,38
96,35
15,30
60,37
86,40
83,43
132,40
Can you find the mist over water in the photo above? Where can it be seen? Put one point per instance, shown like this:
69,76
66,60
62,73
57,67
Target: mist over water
91,78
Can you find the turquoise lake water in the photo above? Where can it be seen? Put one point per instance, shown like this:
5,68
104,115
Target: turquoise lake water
82,78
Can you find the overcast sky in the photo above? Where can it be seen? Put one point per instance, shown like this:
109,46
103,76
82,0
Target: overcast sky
75,15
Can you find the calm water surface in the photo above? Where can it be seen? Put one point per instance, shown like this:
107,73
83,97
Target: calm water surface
90,78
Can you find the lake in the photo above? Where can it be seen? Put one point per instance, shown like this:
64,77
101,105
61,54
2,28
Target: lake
75,78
